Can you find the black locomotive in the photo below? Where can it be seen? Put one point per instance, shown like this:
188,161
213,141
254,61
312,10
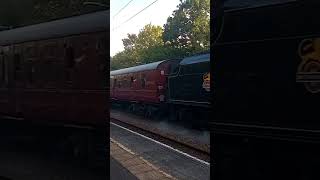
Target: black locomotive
266,89
189,90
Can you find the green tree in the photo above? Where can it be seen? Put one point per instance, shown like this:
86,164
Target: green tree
129,42
186,32
143,48
149,43
188,29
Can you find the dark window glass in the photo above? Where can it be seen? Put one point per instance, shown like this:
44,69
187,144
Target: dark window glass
174,68
131,81
69,56
124,83
50,50
2,68
143,80
115,83
30,72
17,62
195,68
30,52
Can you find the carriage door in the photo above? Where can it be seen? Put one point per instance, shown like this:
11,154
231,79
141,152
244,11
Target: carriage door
17,78
2,69
3,98
4,80
4,63
4,60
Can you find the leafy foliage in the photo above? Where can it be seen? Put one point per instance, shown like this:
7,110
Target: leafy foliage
143,48
186,32
189,26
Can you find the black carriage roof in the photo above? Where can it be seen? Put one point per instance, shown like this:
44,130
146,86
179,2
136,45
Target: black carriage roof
196,59
144,67
92,22
239,4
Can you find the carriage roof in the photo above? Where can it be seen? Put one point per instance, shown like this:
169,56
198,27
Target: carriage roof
144,67
92,22
195,59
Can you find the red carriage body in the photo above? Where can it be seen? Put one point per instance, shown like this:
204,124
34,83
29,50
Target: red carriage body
141,84
55,72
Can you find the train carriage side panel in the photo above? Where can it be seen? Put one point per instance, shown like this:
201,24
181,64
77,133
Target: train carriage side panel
61,86
144,83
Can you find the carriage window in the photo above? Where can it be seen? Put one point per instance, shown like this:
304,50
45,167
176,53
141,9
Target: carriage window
143,80
114,83
125,83
30,52
69,56
30,71
131,81
85,45
50,50
174,69
195,68
17,62
2,70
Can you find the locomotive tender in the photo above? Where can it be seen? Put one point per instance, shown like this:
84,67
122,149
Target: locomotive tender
52,75
266,89
178,86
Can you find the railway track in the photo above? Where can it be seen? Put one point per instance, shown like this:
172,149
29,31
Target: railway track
184,147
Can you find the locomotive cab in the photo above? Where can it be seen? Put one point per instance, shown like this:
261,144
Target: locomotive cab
189,91
189,84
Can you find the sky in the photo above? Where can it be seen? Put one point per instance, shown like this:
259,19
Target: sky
156,14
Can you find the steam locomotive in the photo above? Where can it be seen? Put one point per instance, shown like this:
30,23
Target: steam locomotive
180,87
266,89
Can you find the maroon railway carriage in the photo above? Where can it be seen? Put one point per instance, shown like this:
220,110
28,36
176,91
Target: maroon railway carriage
53,79
142,85
55,71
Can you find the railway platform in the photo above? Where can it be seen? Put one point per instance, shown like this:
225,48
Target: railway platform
148,158
119,172
125,164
